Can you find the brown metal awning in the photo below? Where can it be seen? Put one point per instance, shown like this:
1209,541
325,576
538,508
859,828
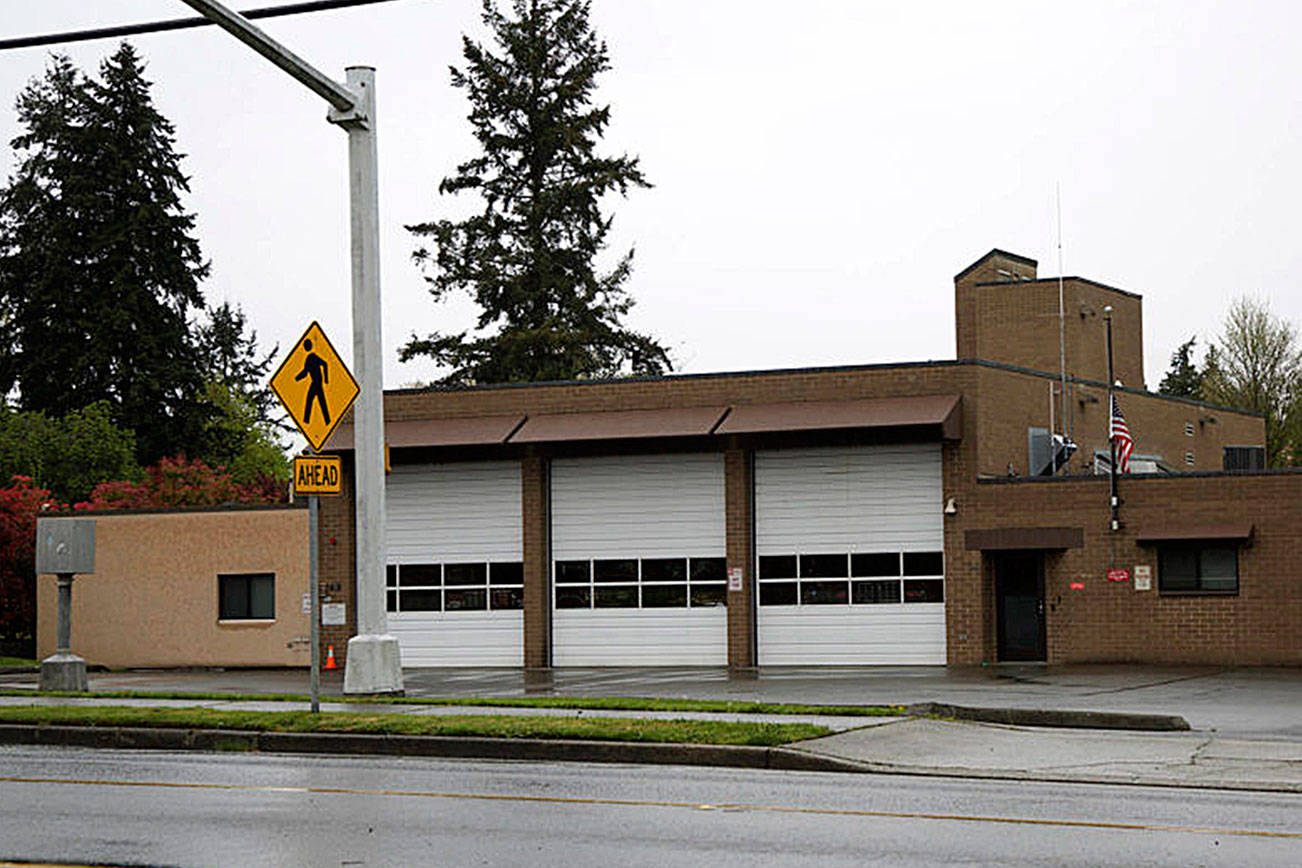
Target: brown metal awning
943,411
1005,538
1171,533
620,424
472,431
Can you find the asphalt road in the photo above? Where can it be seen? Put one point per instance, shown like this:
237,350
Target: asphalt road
249,810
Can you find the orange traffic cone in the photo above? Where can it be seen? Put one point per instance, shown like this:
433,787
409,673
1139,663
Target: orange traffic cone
330,658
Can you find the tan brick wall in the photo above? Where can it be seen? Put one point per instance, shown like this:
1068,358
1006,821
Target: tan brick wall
153,600
1111,622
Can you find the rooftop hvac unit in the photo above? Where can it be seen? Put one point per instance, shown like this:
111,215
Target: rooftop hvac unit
1047,453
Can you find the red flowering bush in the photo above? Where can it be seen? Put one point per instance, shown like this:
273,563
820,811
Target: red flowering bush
181,482
20,504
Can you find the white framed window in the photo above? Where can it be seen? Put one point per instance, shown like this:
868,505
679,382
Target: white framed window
639,583
1188,429
853,578
472,586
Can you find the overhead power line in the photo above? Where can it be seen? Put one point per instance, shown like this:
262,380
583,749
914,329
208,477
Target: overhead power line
175,24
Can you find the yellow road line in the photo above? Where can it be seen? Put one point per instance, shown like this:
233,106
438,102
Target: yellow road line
654,803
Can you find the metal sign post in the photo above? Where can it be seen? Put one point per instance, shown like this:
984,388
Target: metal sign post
372,666
314,554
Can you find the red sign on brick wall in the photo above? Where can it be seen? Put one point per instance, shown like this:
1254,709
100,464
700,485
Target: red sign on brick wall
1121,575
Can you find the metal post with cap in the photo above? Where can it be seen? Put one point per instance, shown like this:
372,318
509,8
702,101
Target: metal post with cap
372,665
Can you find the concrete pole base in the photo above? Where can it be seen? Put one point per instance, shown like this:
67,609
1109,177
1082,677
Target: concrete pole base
64,672
373,667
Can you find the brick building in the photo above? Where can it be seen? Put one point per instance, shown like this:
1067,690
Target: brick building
874,514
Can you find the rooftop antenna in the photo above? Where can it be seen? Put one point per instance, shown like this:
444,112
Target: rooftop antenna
1062,334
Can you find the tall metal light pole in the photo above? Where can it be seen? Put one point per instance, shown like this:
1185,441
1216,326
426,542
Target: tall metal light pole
372,665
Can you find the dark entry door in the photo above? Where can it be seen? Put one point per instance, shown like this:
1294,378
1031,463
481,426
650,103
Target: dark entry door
1019,594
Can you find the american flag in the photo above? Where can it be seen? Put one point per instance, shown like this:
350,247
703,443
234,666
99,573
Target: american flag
1119,433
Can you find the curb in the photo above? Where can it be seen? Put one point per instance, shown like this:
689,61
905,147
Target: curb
555,750
1051,718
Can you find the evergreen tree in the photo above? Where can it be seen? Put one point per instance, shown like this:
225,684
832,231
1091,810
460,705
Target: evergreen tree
1183,379
229,354
99,267
527,257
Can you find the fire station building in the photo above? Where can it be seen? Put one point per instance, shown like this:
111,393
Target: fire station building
913,513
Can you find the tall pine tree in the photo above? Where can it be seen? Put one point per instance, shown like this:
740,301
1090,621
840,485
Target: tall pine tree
99,266
528,256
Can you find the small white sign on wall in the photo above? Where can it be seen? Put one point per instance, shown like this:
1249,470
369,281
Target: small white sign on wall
1143,577
734,579
307,604
333,614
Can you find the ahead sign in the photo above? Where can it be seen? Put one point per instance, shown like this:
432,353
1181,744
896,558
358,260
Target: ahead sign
315,386
317,474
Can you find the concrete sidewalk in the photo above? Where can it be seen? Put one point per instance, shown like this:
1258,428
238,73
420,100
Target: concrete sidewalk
982,750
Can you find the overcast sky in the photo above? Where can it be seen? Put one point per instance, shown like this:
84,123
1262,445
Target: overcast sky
822,169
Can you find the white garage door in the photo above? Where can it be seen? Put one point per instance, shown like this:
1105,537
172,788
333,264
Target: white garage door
850,544
455,583
639,573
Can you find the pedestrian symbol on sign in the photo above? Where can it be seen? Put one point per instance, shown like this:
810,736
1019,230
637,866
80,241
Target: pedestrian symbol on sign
319,372
315,386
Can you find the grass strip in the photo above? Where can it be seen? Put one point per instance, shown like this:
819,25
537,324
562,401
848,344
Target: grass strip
594,703
484,726
17,661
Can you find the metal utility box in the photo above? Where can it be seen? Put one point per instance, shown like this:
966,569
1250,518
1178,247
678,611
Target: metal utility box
65,545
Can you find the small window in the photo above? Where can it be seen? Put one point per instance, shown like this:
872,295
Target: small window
824,593
663,596
924,564
875,564
505,573
777,594
707,569
924,591
664,570
465,574
823,566
1198,568
572,573
621,597
623,570
1189,458
1188,429
777,567
247,597
875,592
419,575
569,597
707,595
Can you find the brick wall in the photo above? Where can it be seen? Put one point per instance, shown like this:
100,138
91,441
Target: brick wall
1011,402
1110,622
337,564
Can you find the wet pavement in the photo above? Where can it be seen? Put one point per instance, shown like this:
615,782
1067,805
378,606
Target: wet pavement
1249,703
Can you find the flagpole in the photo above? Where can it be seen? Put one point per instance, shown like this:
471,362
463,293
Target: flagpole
1112,440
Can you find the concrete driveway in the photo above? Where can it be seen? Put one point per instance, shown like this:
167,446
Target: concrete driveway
1238,703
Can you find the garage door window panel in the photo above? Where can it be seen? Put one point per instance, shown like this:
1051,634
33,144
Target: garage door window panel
824,593
646,583
455,587
824,566
875,592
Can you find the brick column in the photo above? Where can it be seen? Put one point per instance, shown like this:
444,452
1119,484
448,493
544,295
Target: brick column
738,505
337,568
534,503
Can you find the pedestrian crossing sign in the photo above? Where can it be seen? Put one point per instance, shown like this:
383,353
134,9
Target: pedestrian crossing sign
315,386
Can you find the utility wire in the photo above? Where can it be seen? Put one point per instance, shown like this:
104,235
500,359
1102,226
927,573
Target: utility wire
175,24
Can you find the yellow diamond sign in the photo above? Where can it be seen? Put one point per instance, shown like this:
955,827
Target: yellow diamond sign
315,386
